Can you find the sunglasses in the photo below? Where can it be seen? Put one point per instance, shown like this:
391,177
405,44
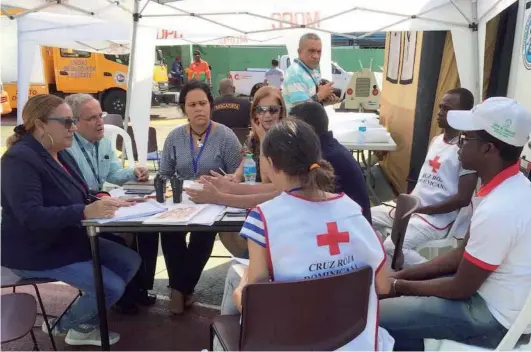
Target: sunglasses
273,109
65,121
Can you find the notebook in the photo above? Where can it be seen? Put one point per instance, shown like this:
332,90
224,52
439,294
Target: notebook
137,211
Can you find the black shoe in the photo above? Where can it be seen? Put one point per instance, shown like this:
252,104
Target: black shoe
145,298
128,308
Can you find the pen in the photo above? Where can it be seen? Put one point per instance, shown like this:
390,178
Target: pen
223,172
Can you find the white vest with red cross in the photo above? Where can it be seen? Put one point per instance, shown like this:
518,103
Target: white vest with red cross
308,240
438,180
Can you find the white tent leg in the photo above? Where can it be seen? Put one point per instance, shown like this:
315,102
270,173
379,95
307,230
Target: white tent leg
26,55
478,70
131,71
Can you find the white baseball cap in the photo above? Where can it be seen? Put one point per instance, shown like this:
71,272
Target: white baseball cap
503,118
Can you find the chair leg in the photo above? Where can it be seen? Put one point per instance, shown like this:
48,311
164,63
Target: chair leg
211,338
35,346
45,317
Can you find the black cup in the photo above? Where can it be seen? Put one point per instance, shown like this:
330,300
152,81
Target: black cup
160,188
176,188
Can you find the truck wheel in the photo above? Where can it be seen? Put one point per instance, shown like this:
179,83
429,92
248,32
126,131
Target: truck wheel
155,100
114,102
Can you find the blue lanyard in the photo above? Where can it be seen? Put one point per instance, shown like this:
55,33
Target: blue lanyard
295,189
89,161
195,159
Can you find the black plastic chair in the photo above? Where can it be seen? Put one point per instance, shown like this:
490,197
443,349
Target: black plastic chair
10,279
19,311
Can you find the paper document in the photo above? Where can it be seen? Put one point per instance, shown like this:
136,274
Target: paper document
176,214
137,211
209,215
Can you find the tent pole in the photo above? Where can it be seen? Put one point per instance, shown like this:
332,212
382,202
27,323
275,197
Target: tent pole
131,71
478,88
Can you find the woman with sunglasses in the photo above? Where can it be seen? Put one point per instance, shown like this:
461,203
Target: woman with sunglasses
267,110
44,200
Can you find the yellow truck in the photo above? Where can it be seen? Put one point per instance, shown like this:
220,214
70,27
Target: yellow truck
64,71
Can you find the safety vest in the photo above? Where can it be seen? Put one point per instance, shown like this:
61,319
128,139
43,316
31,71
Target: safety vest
308,240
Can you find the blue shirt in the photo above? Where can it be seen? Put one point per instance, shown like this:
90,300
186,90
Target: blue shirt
298,85
348,173
107,167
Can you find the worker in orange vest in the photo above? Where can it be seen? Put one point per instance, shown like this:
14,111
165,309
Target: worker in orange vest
198,68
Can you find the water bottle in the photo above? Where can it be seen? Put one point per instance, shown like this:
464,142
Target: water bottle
249,169
362,133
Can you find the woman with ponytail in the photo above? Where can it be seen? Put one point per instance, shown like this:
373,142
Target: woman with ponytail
300,218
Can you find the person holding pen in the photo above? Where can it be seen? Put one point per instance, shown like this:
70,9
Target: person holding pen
44,200
191,151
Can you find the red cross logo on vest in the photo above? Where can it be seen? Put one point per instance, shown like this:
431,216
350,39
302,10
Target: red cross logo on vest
332,238
435,164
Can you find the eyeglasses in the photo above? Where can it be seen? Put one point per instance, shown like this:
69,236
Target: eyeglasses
93,118
273,109
68,122
463,138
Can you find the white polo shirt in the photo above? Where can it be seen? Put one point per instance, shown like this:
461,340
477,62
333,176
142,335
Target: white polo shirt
500,241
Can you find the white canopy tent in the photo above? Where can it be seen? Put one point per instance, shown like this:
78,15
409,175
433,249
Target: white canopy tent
236,22
65,31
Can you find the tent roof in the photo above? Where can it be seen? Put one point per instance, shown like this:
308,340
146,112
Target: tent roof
254,22
74,32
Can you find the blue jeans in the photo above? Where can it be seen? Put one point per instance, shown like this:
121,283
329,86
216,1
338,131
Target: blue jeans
412,319
119,266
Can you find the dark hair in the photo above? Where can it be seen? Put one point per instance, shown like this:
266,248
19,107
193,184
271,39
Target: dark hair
188,87
274,62
466,98
255,89
313,114
508,153
294,148
197,52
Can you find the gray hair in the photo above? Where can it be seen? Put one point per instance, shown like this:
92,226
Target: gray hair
76,101
308,36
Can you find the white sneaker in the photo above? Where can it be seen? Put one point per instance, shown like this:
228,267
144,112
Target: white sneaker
76,338
55,330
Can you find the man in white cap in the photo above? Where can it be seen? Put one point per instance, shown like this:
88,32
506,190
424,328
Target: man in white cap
474,294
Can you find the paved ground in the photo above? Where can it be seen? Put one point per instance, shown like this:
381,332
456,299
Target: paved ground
159,330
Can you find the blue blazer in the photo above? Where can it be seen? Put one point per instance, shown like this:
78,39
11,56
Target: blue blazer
42,208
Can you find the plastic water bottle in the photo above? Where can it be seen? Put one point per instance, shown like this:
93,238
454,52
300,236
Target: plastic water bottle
362,133
249,169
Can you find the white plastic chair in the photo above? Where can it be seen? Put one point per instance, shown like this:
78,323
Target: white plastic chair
457,231
508,342
112,132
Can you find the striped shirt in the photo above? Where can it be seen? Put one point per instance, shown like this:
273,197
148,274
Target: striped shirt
221,149
298,85
253,228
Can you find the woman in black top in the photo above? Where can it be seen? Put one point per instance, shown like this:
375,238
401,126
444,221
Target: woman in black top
44,200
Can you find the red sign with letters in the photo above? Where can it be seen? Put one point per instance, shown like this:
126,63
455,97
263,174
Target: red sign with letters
307,18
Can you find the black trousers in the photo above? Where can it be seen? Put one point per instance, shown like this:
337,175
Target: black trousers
185,263
147,246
